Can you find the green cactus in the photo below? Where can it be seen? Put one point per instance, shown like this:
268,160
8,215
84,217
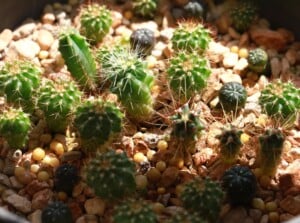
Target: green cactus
230,143
111,175
258,60
243,15
144,8
232,96
191,37
271,146
98,122
56,212
57,100
130,79
203,196
95,22
240,185
134,211
14,127
187,75
18,82
281,101
78,58
185,216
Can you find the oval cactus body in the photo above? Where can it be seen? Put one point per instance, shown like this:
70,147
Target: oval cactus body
258,60
145,8
79,59
57,212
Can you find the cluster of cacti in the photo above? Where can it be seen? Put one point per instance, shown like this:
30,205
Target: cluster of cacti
240,185
57,100
56,212
232,96
111,175
97,123
145,8
243,15
281,101
258,60
95,22
185,216
14,127
79,60
130,80
65,177
203,196
271,146
230,144
187,75
191,37
18,83
134,211
142,41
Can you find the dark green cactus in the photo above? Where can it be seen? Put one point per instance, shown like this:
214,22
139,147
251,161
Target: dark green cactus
142,41
57,212
230,144
271,146
185,216
134,211
187,75
258,60
95,22
97,122
240,185
78,58
144,8
195,10
232,96
191,37
203,196
243,15
14,127
111,175
130,79
18,83
281,101
57,100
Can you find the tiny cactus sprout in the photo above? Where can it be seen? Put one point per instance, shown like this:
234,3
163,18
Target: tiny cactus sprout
57,101
195,10
14,127
191,37
130,80
271,146
187,75
111,175
18,83
232,96
142,41
144,8
134,211
185,216
281,101
78,58
97,122
243,15
95,22
257,60
230,143
204,196
57,212
240,185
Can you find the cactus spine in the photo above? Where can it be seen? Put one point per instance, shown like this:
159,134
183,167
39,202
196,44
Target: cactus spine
111,175
14,127
145,8
78,58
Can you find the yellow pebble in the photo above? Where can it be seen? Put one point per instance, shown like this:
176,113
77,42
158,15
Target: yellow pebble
38,154
54,162
234,49
273,217
153,175
243,53
179,189
162,145
43,176
258,203
43,54
271,206
150,154
151,61
57,147
62,196
262,120
161,165
19,171
141,182
161,190
158,207
139,157
245,138
128,14
34,168
46,160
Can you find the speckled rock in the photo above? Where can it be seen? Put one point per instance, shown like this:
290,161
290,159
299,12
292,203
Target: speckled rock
27,48
45,39
291,204
22,204
41,198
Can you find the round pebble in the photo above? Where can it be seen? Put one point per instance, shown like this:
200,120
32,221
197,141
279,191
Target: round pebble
141,182
234,49
38,154
43,176
57,147
245,138
243,53
139,157
62,196
158,207
271,206
19,171
150,154
153,175
273,217
161,190
34,168
258,203
162,145
54,162
161,165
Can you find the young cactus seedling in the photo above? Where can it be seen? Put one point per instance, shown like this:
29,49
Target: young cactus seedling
14,127
111,175
185,216
258,60
95,22
18,83
144,8
57,212
142,41
79,60
271,146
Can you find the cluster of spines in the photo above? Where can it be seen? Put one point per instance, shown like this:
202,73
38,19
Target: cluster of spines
145,8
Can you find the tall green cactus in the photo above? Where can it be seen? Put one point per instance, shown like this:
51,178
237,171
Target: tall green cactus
78,58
